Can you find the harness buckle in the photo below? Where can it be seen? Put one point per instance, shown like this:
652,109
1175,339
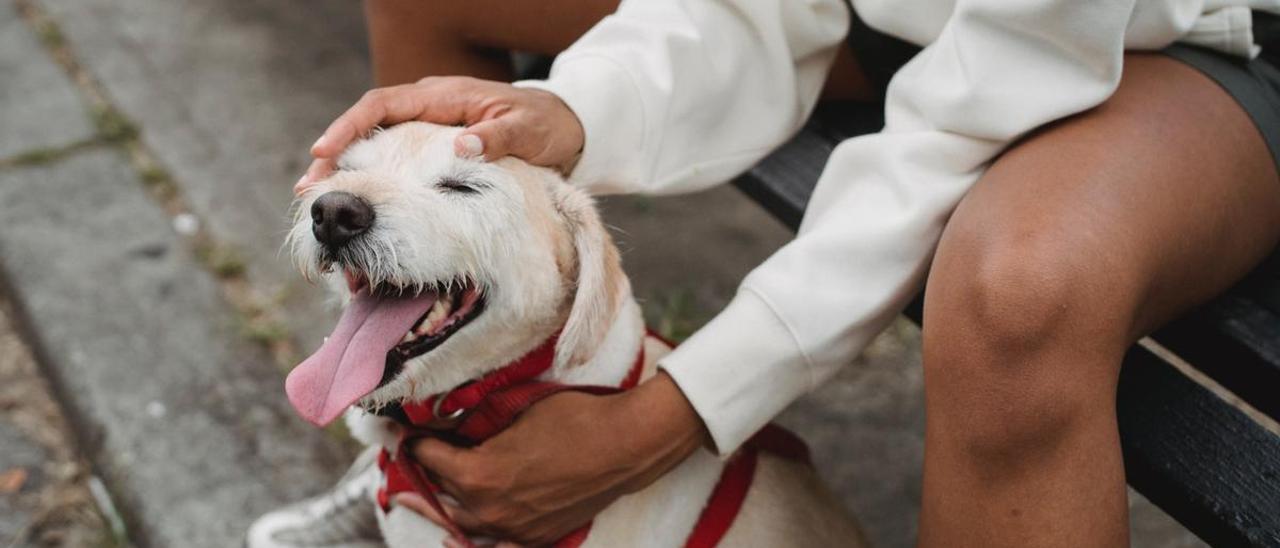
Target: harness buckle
445,422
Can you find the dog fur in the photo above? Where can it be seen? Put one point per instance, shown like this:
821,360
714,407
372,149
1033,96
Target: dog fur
537,249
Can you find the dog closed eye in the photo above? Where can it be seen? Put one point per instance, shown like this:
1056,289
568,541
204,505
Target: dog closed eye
451,184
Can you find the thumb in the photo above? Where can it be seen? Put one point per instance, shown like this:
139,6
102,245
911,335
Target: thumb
490,138
415,502
319,169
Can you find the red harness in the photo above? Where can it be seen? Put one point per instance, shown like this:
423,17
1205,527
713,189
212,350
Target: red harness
478,410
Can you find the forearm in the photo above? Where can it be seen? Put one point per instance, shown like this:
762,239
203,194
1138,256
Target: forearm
880,206
665,429
677,95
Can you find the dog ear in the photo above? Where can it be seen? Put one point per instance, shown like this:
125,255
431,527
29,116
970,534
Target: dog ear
599,279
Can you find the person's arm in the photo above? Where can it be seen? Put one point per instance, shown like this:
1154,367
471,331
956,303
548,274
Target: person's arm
679,95
998,70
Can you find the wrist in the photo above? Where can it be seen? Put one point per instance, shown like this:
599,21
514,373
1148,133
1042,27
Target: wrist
610,110
666,428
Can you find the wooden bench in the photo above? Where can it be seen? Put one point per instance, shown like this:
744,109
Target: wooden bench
1198,457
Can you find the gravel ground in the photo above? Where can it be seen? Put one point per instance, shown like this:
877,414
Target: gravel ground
45,499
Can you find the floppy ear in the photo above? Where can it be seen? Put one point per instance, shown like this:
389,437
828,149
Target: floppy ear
599,279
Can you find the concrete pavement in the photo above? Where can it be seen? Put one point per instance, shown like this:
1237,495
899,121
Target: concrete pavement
45,493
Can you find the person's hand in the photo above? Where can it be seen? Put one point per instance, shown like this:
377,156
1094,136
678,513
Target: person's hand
501,120
562,462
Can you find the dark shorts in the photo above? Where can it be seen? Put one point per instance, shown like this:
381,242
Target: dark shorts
1254,83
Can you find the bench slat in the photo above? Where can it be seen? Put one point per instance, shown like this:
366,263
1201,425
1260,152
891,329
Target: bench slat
1204,462
1236,341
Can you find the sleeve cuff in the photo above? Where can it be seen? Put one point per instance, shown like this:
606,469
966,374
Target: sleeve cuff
740,370
606,101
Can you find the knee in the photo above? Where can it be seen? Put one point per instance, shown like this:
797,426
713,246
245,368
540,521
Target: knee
1025,290
1018,341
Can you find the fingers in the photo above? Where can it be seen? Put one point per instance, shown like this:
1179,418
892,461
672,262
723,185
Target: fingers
468,145
319,169
451,542
456,514
443,460
465,519
490,138
415,502
377,107
445,101
501,121
457,472
455,543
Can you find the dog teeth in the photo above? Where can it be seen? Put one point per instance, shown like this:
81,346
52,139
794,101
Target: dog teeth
439,312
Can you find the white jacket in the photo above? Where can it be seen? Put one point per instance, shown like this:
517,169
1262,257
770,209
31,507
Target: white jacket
679,95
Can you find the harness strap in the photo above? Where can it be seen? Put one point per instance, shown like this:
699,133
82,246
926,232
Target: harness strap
735,481
725,501
481,409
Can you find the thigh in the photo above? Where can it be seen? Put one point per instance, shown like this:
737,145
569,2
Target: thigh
1149,204
405,34
537,26
411,39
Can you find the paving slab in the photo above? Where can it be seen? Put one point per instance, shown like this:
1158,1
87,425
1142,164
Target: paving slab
45,499
229,96
39,108
184,419
20,455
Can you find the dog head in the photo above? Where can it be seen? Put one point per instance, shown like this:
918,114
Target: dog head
453,267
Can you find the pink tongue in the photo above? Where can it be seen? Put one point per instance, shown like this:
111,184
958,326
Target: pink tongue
350,363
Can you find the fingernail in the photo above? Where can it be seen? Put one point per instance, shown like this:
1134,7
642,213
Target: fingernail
301,185
319,142
471,145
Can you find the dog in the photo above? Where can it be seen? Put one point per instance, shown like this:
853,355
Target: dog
453,268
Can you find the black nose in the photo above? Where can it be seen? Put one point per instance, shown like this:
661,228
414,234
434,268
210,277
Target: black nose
336,217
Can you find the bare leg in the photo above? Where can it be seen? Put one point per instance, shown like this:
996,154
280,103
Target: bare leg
413,39
1078,240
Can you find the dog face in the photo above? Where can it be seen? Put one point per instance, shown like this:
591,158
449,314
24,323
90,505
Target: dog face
478,262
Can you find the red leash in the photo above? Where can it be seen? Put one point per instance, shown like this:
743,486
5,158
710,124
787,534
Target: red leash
477,411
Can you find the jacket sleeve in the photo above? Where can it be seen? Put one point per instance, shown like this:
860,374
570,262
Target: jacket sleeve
997,70
679,95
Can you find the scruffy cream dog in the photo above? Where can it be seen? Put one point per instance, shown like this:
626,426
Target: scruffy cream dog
456,267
